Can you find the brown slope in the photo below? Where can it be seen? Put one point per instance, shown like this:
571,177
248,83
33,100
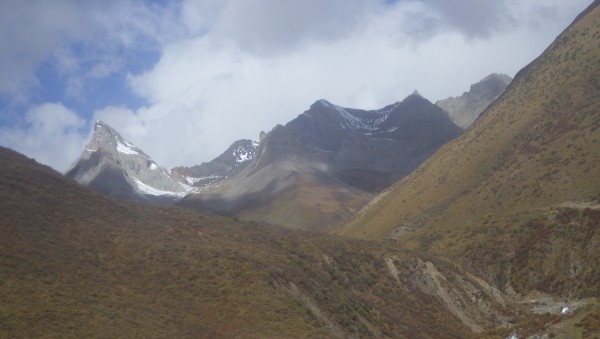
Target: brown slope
291,192
77,264
517,194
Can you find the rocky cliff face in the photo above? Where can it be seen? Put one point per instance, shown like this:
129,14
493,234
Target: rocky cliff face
228,164
466,108
366,149
112,165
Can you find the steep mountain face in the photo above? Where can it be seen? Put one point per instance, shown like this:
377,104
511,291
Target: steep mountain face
320,168
366,149
113,166
516,196
463,110
228,164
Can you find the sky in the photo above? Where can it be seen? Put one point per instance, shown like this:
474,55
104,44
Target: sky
182,80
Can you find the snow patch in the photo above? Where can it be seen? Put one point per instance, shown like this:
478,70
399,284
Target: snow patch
125,149
153,166
564,309
242,154
147,189
193,180
186,187
351,121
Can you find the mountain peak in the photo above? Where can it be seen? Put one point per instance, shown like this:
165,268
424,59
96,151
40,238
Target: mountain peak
501,77
322,102
107,139
467,107
239,155
416,93
115,166
101,124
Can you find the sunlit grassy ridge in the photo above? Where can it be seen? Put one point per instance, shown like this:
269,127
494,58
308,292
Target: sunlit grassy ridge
516,197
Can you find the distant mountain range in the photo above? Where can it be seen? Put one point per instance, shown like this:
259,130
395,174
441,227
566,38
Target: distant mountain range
312,173
320,168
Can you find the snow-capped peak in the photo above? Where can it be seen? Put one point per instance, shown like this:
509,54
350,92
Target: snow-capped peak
366,122
109,154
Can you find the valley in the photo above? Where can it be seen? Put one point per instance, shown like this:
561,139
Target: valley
474,217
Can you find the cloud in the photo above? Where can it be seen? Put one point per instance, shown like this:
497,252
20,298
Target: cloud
27,36
229,69
80,40
266,26
52,135
474,18
247,66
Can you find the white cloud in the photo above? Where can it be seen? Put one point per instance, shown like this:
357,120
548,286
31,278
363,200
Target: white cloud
51,135
267,26
229,69
28,34
249,65
81,40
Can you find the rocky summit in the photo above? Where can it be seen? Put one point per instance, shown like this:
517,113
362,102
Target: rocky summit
466,108
112,165
231,162
368,150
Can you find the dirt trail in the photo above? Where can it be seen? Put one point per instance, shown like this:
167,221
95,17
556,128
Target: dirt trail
594,205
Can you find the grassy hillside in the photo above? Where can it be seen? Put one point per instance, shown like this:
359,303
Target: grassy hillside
516,197
77,264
